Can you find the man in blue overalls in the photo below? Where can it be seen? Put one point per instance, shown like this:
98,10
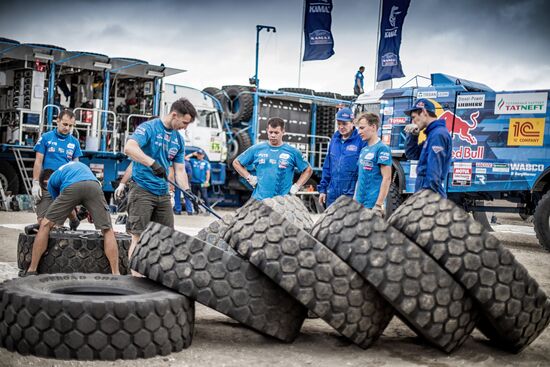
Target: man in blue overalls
434,154
54,149
200,178
340,167
274,162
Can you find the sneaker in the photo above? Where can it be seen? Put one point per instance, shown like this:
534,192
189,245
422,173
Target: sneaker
177,212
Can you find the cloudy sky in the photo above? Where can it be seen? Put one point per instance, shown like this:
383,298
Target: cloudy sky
502,43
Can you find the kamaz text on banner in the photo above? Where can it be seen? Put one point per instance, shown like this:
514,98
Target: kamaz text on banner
318,37
391,25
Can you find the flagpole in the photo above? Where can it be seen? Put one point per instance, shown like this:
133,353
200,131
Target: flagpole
377,43
301,43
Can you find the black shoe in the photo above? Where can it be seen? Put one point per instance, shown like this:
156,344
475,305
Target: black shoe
32,229
177,212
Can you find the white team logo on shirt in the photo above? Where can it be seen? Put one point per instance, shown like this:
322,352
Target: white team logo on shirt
369,155
70,146
384,156
284,156
437,149
352,148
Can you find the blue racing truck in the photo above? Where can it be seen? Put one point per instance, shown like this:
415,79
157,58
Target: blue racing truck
501,146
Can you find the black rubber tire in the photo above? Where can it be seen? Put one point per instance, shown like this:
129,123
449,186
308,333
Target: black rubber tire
232,93
215,232
241,142
306,91
349,98
217,279
93,317
9,178
483,218
514,309
329,95
73,252
214,92
293,209
311,273
393,200
541,220
424,295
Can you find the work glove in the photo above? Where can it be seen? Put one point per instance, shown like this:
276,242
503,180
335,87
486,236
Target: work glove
294,189
194,198
252,180
412,129
73,224
36,191
379,210
206,184
158,170
322,198
119,192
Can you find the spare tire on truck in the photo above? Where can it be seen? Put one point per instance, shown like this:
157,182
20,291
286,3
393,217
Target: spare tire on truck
93,317
237,102
214,92
73,252
240,142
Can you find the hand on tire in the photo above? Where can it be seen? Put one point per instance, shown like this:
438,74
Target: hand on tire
412,129
379,210
36,191
252,180
294,189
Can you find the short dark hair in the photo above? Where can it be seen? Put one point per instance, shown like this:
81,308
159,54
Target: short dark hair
45,176
361,67
276,122
431,114
184,107
371,118
65,113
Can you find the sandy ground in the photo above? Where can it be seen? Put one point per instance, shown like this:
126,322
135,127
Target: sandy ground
220,341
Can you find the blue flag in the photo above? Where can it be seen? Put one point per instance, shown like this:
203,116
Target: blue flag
319,41
391,25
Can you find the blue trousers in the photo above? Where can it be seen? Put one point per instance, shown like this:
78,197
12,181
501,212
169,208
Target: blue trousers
177,202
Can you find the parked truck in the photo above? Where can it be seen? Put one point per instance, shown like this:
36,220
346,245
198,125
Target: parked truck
501,146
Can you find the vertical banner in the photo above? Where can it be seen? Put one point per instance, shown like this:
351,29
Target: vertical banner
391,25
318,38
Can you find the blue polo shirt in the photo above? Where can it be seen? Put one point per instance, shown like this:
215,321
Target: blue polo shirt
57,149
163,145
68,174
199,169
274,168
370,176
359,76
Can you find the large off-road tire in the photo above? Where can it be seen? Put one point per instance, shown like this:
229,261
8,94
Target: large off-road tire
237,102
306,91
73,252
241,142
217,279
9,178
541,220
328,95
214,92
93,316
393,200
215,232
293,209
311,273
514,308
424,295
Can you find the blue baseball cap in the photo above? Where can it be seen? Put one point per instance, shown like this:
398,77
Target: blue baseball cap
421,103
345,114
200,151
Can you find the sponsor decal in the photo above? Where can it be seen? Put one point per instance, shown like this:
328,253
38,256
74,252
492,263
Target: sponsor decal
501,168
261,161
69,152
272,161
397,120
484,164
526,132
481,170
352,148
437,149
61,150
462,174
481,179
389,58
320,37
263,155
529,167
172,153
386,139
284,156
388,111
470,101
369,155
510,104
386,127
468,153
427,94
384,156
442,94
70,146
367,165
412,173
51,149
458,127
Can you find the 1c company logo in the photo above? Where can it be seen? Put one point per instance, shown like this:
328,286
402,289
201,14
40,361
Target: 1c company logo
526,131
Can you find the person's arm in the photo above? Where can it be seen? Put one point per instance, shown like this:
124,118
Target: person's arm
37,167
306,174
127,174
385,185
188,156
133,150
181,175
412,148
208,168
436,159
241,170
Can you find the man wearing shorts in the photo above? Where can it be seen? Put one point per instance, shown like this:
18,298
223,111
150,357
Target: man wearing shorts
71,185
153,147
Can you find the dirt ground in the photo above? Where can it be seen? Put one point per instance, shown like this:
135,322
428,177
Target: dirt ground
219,341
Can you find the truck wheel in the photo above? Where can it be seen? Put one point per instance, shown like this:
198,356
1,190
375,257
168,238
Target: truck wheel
215,232
217,279
424,295
73,252
393,200
541,219
293,209
238,105
93,317
514,308
214,92
241,142
306,91
311,273
9,178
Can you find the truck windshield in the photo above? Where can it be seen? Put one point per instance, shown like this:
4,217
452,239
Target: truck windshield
207,118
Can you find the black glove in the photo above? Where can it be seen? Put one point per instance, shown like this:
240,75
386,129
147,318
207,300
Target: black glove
192,197
73,224
158,170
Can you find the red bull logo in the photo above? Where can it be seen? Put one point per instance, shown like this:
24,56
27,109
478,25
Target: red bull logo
457,126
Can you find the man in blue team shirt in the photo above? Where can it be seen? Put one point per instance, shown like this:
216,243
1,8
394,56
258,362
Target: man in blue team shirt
200,178
374,165
54,149
434,154
70,185
340,166
153,147
274,162
358,83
